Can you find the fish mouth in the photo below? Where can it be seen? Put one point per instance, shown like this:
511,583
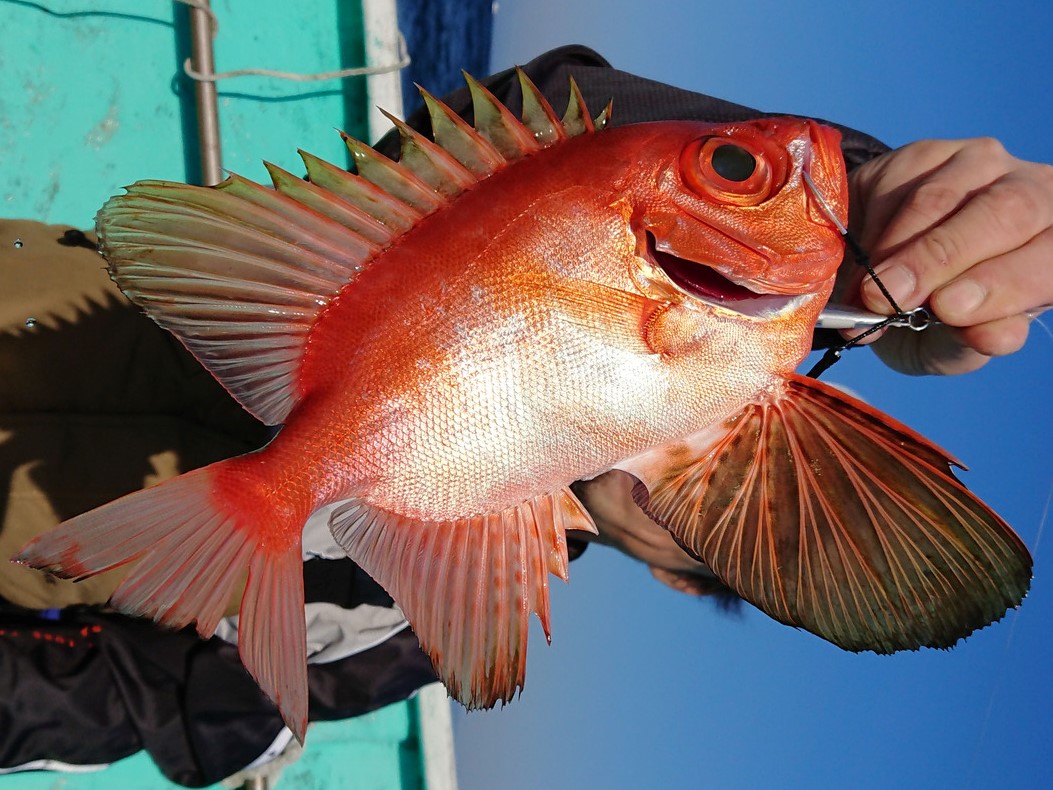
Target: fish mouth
701,281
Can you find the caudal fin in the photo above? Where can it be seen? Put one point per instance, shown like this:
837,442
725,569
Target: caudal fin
191,549
831,516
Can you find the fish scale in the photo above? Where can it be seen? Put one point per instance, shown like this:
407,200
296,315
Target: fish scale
450,341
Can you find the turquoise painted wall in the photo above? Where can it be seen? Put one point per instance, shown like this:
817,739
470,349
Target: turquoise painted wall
92,100
378,751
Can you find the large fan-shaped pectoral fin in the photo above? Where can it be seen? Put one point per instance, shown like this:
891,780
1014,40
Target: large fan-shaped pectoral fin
831,516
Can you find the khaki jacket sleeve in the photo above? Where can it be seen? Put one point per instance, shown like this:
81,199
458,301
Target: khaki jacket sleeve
95,402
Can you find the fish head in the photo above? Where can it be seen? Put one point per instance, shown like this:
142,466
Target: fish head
733,221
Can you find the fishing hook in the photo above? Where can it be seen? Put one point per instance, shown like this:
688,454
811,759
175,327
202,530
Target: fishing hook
917,319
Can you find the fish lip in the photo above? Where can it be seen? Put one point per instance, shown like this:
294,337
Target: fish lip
702,282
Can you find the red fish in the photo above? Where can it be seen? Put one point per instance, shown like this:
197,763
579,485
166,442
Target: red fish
450,341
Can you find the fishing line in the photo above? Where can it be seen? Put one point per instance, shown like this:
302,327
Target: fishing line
860,256
1043,521
1035,319
1000,680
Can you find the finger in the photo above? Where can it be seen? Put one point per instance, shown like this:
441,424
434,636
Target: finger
938,350
932,194
879,188
998,338
995,219
949,351
1000,286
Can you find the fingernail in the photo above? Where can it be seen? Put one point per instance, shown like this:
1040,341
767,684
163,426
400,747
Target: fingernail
898,280
959,298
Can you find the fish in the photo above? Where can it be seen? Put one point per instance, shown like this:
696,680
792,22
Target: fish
449,340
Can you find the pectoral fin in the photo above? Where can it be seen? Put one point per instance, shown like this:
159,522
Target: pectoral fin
833,517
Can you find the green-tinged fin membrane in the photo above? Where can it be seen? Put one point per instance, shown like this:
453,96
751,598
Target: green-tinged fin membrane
497,124
576,119
538,115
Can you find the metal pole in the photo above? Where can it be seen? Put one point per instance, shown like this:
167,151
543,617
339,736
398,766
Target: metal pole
201,58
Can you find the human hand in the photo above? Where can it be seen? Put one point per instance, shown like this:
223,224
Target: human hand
964,228
621,524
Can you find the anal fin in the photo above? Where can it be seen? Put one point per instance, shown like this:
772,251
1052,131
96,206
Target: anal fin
468,586
831,516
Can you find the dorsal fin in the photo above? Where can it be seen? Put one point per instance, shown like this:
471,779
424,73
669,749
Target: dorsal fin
538,115
496,123
431,163
239,273
576,119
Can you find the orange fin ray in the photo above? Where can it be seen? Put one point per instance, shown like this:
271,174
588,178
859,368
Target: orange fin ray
832,516
190,553
468,586
229,269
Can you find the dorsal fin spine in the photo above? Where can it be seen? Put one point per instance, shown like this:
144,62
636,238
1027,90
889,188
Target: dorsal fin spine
576,119
453,133
538,115
429,162
388,211
496,123
600,121
399,182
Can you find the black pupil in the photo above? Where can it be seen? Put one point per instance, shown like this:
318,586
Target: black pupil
733,163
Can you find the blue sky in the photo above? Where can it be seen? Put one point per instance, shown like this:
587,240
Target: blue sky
643,687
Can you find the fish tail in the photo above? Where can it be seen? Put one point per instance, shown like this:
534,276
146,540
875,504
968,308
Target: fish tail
193,538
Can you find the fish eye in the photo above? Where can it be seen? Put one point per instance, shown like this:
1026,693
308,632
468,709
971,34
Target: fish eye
727,170
733,162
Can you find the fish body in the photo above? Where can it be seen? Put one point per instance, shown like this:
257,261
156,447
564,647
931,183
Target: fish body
507,329
449,342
